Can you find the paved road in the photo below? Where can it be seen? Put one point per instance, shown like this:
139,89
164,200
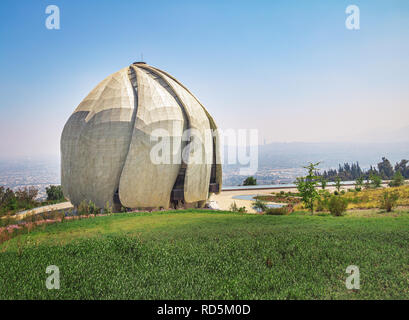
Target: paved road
51,207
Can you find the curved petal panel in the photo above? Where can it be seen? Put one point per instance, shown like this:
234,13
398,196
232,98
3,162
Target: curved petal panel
201,147
149,175
95,141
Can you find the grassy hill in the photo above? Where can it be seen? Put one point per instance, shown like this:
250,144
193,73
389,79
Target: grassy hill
210,255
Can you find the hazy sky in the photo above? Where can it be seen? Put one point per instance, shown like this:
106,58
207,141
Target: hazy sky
289,68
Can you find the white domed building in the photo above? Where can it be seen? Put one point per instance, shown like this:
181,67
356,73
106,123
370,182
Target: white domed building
140,139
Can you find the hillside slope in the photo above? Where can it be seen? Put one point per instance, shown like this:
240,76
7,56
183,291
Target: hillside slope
209,255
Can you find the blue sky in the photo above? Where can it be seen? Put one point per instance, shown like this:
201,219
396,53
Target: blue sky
289,68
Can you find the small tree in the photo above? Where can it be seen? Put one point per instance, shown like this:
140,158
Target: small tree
307,186
359,183
376,180
26,195
338,183
250,181
323,183
92,208
107,208
397,180
388,200
235,208
54,193
259,205
337,205
83,207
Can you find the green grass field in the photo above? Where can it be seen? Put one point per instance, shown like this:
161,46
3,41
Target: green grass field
210,255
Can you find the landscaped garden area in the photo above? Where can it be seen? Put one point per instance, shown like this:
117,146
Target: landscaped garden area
298,251
198,254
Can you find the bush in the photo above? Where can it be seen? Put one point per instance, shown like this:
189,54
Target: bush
26,194
397,180
259,205
283,211
250,181
338,184
107,208
323,183
235,208
322,201
54,193
242,210
388,200
359,183
83,208
337,205
376,181
92,208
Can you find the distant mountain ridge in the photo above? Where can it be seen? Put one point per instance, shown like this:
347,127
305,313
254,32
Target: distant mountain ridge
281,155
330,154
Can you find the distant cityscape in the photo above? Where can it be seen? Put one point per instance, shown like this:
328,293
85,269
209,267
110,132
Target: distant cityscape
279,163
20,173
42,173
16,174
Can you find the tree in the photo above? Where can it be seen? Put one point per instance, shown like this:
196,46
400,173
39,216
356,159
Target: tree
260,205
397,180
385,169
388,200
307,186
26,195
323,183
338,184
376,180
250,181
54,193
337,205
403,168
359,183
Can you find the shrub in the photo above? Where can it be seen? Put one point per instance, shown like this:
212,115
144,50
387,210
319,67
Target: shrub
259,205
337,205
322,201
26,195
92,208
359,183
323,183
338,183
107,208
283,211
250,181
397,180
54,193
388,200
83,208
235,208
307,186
376,181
